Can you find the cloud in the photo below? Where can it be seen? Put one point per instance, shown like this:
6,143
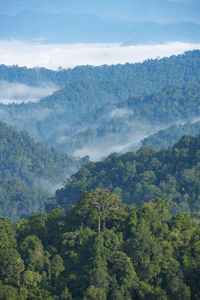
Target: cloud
70,55
101,150
4,116
114,143
18,92
119,113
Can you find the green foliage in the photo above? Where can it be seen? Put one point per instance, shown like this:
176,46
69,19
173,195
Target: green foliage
80,113
101,248
99,203
28,172
168,137
140,115
147,254
170,174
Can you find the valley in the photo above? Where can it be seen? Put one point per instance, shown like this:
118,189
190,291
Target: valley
100,181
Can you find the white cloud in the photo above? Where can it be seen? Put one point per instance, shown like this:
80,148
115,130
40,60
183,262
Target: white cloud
101,150
98,151
114,143
18,92
69,55
119,113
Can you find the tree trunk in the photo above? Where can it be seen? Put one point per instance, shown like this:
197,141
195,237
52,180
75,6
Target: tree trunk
99,221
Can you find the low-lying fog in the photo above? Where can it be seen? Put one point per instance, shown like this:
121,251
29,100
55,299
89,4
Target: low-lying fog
18,92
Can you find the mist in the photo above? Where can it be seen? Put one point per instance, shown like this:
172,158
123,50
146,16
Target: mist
100,150
119,113
18,92
49,187
130,140
119,143
53,56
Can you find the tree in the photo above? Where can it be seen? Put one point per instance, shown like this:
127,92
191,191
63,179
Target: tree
57,266
100,201
31,278
32,252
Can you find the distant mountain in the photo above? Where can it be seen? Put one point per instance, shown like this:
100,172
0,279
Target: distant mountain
120,127
29,172
167,137
148,76
142,177
74,28
111,22
119,104
165,11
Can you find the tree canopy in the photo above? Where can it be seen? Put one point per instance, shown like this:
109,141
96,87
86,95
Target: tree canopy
142,177
138,253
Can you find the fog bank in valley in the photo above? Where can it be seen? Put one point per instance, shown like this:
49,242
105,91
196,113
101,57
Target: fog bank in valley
19,92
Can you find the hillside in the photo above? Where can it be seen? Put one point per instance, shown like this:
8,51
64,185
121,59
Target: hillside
29,172
167,137
146,75
75,113
142,177
123,125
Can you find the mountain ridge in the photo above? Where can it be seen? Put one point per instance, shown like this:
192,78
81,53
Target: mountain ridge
142,176
29,172
64,114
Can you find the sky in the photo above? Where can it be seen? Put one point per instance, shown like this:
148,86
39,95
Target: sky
67,33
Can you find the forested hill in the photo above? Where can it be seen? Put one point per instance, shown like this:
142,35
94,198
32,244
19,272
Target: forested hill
167,137
127,122
59,120
85,112
150,75
114,252
172,104
29,172
142,177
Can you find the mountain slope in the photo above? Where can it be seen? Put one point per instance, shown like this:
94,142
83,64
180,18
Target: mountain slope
118,127
141,177
149,76
29,172
167,137
81,110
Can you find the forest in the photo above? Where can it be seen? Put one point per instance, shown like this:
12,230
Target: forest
141,177
169,136
101,249
124,225
29,172
82,112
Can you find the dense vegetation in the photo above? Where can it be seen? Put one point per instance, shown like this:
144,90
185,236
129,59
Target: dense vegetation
88,244
141,177
168,137
154,91
172,104
128,121
150,76
29,172
62,121
101,249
